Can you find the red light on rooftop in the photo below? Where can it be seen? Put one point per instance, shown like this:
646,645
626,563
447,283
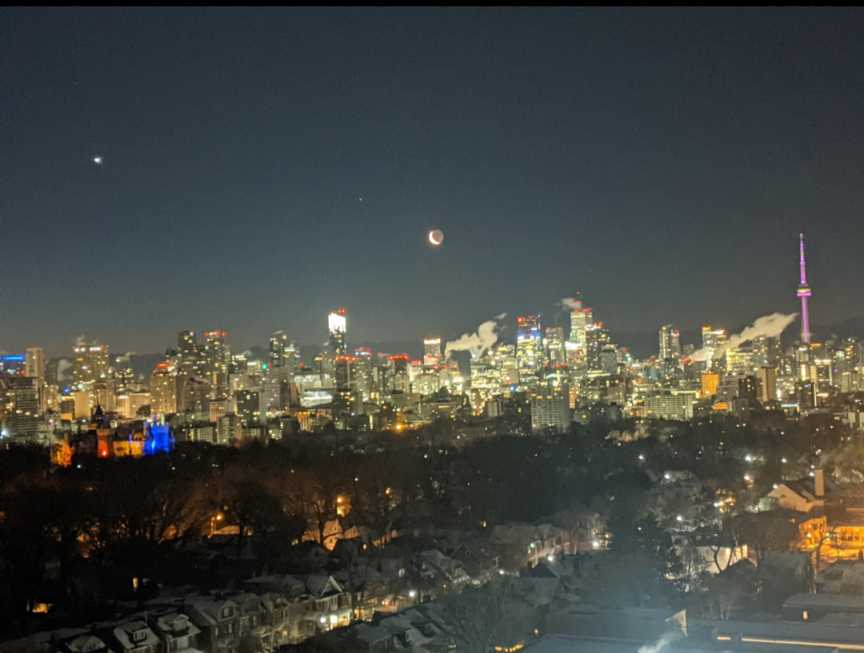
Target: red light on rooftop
398,357
224,334
520,320
415,362
162,366
341,311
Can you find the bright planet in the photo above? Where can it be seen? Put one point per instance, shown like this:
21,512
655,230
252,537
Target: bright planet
436,237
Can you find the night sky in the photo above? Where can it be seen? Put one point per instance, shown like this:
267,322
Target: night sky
660,162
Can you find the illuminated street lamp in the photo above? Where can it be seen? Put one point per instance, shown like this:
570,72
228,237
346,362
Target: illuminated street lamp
213,521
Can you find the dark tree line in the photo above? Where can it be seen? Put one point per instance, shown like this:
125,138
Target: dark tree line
89,535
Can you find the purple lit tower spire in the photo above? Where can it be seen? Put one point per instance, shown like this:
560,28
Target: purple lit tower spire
804,293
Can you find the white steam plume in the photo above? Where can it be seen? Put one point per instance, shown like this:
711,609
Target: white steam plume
571,303
769,326
79,340
478,342
63,366
659,645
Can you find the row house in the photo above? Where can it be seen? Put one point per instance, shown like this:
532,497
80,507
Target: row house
154,632
175,630
218,620
527,544
303,608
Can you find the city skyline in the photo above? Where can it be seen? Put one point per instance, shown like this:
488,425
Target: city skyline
255,201
568,310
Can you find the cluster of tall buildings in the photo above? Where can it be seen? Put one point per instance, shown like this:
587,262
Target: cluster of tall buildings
557,373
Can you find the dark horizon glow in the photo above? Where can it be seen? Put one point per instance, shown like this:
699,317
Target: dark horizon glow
252,170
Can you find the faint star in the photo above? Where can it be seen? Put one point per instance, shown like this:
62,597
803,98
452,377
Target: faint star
97,160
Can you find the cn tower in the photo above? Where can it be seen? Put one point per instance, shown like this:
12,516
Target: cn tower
804,293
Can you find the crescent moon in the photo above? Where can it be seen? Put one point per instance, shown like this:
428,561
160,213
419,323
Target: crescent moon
432,238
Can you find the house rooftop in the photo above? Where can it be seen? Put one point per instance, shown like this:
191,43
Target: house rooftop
839,601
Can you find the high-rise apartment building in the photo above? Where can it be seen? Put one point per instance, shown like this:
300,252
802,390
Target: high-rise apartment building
22,393
550,408
187,344
35,365
91,363
193,396
670,404
217,358
249,407
767,377
163,391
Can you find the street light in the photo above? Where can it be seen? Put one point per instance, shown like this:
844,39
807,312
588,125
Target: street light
213,521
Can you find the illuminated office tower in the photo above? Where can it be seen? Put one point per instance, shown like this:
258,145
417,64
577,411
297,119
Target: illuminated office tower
13,364
398,373
432,351
802,363
554,342
710,381
91,363
804,293
276,384
124,375
280,350
337,325
35,364
713,338
528,341
345,372
163,391
609,358
596,338
104,394
670,343
822,373
580,319
761,350
739,361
